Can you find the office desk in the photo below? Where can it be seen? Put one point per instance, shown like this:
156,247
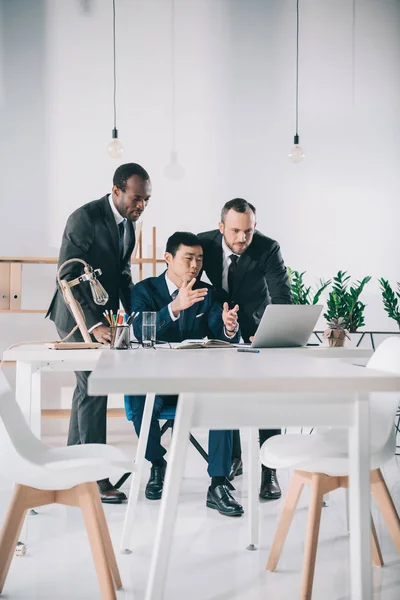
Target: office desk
224,389
31,362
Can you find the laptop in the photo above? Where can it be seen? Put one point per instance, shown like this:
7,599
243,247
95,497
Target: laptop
286,325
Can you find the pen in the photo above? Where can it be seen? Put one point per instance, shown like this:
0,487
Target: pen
248,350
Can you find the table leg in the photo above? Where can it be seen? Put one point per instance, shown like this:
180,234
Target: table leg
167,517
136,475
359,501
28,394
254,471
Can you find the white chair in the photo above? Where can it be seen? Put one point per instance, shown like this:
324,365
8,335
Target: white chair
322,461
45,475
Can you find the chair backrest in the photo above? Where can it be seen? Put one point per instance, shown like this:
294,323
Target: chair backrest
17,442
384,405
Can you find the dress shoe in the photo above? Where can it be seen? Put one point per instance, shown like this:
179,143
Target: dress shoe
220,498
236,469
109,494
155,484
269,489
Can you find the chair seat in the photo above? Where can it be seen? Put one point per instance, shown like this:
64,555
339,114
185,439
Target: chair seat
318,453
167,413
63,468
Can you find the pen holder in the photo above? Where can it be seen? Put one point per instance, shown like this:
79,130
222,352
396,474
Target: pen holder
120,337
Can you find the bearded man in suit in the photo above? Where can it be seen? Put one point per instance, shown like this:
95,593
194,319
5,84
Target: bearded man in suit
247,269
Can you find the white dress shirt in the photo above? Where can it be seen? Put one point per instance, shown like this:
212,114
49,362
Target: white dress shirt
118,219
226,261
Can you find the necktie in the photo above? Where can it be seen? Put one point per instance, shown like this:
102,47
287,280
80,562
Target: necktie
174,294
121,229
232,273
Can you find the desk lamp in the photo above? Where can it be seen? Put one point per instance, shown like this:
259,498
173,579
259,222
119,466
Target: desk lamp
100,297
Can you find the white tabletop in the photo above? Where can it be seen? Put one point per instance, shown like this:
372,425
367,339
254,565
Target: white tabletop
39,353
226,370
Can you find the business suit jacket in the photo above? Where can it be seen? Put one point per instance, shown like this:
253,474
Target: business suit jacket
200,320
91,234
261,277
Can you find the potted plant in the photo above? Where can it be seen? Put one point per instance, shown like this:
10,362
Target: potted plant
390,300
302,294
343,302
336,332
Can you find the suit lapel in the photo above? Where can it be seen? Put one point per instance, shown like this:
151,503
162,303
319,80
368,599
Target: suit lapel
111,226
216,267
162,289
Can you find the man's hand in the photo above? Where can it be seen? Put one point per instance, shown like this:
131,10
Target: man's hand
251,338
230,318
187,297
102,334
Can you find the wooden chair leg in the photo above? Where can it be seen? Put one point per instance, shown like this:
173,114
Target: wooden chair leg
291,501
386,506
377,558
87,503
112,561
11,529
311,545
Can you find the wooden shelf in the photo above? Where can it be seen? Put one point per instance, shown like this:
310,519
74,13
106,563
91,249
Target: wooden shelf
65,413
11,273
33,311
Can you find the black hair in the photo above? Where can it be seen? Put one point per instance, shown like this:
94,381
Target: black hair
124,172
238,205
181,238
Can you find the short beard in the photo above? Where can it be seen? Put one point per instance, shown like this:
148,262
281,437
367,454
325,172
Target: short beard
234,251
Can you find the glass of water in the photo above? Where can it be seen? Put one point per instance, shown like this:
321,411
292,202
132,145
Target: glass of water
148,329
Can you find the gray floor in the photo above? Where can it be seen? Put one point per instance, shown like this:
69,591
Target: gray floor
208,557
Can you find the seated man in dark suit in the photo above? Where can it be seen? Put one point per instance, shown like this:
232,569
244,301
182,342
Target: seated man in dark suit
186,309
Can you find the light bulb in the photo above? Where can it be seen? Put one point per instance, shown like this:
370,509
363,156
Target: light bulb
99,294
115,148
174,170
296,154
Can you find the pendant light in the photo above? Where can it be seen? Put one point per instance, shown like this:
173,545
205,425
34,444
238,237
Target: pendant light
115,148
296,154
173,170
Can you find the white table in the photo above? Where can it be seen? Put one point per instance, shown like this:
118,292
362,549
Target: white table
31,362
223,389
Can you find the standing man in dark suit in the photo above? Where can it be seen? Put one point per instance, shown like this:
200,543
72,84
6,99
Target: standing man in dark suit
185,309
102,233
247,269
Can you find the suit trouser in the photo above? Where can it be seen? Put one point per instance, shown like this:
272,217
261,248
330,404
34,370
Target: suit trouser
219,442
88,422
264,434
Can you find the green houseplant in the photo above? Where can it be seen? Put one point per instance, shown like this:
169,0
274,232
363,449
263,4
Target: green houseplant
391,300
302,294
344,302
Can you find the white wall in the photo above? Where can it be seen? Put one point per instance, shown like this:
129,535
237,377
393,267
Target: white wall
235,121
235,80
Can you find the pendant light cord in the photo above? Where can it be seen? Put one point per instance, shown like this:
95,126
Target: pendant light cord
115,71
297,72
173,72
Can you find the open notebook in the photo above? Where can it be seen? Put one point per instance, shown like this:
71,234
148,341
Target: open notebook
196,344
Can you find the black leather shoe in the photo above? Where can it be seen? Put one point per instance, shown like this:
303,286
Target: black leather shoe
269,489
109,494
222,500
155,484
236,469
